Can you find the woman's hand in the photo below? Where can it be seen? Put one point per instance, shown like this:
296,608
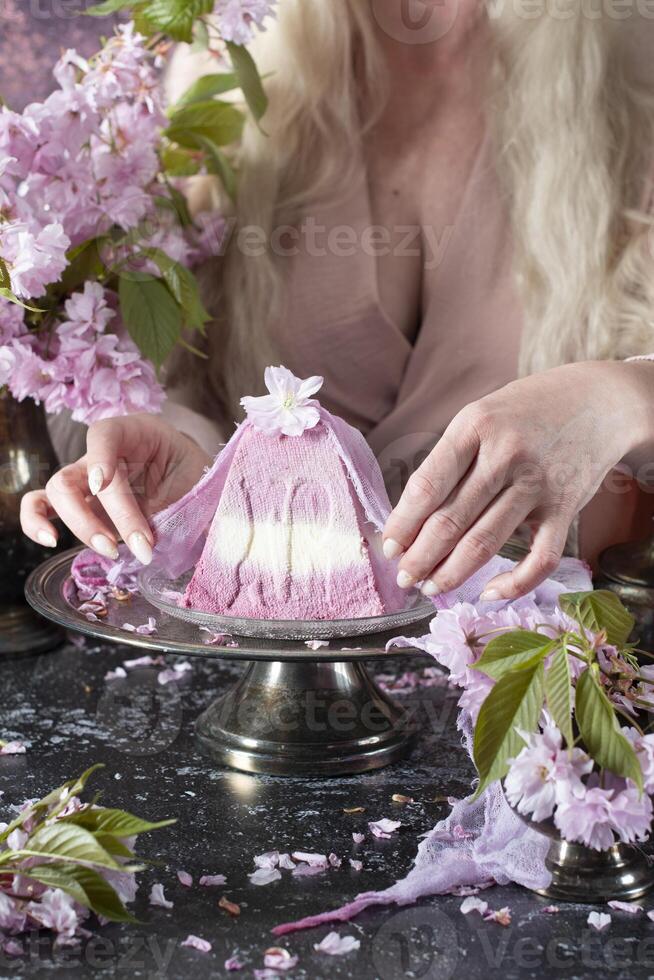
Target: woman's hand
133,467
534,452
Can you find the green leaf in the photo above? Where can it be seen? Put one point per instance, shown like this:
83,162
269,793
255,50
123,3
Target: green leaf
176,17
177,204
108,7
8,294
178,162
207,87
598,725
515,702
116,822
151,315
220,165
184,287
76,844
516,650
84,263
5,278
217,121
249,79
558,694
600,610
85,885
55,801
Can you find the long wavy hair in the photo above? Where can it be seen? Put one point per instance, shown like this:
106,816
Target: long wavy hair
574,142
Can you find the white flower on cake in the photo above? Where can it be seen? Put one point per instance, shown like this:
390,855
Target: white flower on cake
289,409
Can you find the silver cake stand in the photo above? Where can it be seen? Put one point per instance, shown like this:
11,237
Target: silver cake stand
295,711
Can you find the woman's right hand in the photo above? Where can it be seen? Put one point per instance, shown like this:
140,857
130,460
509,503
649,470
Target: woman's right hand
134,466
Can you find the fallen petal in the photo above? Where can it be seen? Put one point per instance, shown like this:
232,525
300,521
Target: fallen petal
157,897
264,876
471,904
335,945
385,827
632,908
210,881
197,943
599,920
185,878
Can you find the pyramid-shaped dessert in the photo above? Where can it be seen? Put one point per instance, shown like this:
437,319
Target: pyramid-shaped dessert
292,513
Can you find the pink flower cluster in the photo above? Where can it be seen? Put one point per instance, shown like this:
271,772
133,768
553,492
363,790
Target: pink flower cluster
546,781
26,904
83,165
237,18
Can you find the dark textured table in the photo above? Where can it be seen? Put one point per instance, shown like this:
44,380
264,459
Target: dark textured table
61,705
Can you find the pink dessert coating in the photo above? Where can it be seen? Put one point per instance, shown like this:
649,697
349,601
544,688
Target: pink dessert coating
290,538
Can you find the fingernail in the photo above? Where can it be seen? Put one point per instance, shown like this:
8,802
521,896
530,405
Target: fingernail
404,580
96,479
140,547
103,546
47,540
392,549
491,595
430,588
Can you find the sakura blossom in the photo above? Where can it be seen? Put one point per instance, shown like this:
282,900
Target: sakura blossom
236,18
233,963
586,818
264,876
335,945
631,908
157,896
279,959
471,904
12,748
316,644
384,828
289,409
314,860
599,920
540,772
195,942
174,673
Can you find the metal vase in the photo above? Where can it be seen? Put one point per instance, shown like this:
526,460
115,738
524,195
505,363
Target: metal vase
581,874
27,459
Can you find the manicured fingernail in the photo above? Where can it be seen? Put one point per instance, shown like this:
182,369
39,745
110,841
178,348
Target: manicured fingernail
430,588
392,549
491,595
96,479
47,540
140,547
103,546
404,580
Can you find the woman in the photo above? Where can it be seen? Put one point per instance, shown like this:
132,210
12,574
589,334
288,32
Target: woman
450,198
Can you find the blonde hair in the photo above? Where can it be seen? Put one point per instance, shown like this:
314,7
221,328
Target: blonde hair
573,126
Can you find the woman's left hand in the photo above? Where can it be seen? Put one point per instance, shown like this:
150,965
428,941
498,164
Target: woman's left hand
534,452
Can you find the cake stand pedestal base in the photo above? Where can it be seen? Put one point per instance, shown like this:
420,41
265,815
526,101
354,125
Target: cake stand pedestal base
23,632
320,719
580,874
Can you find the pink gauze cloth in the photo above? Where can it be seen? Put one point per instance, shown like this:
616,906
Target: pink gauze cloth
480,843
180,530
